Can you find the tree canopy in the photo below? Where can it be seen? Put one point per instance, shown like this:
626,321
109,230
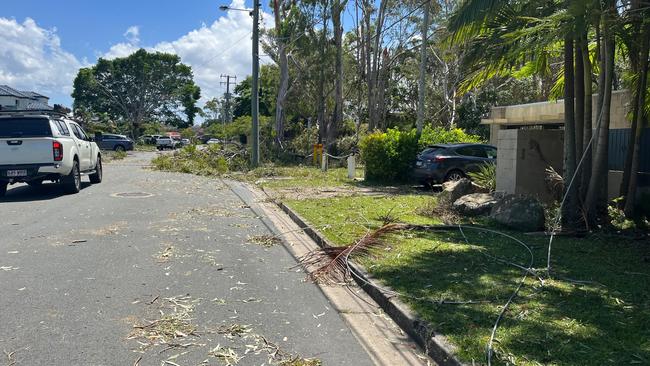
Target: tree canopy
139,88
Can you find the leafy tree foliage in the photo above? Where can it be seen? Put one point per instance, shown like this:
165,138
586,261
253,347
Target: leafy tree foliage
138,88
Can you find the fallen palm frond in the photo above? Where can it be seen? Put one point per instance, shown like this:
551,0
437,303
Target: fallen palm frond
330,264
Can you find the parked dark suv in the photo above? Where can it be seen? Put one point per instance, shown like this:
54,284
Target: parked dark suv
107,141
441,163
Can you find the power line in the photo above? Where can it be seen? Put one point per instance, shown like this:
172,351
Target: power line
236,43
227,83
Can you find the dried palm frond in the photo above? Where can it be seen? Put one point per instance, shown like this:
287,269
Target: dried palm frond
330,264
554,182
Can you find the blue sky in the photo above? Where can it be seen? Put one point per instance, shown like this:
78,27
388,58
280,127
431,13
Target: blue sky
44,42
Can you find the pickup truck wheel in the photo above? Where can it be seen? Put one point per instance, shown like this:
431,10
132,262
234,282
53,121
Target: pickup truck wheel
3,189
99,171
72,182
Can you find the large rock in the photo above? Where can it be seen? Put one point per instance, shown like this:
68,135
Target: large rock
519,213
453,190
475,204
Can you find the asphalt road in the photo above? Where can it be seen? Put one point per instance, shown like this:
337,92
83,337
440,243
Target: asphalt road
107,277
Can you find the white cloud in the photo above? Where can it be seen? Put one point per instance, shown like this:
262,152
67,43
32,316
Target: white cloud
224,47
124,49
133,34
31,58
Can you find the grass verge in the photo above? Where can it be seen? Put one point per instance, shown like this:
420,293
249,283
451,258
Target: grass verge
109,156
285,177
604,321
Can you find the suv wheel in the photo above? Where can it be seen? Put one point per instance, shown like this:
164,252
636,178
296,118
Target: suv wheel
3,189
454,175
119,148
99,171
72,182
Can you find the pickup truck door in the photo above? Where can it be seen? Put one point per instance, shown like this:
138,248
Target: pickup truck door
83,146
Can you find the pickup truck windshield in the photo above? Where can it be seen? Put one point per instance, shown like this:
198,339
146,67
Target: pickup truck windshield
24,127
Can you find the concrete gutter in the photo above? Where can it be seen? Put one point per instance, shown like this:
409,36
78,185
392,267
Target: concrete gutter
434,345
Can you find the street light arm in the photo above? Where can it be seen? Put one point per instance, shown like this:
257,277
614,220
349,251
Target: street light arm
228,8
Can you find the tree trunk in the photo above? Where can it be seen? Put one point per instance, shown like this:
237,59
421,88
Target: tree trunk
370,77
322,124
337,118
570,207
579,102
634,51
596,200
642,87
374,55
283,63
423,66
586,137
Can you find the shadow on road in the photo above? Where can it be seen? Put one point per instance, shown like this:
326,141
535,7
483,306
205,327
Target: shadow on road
25,193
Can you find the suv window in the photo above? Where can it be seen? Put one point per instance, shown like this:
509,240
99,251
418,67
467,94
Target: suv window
491,152
473,151
25,127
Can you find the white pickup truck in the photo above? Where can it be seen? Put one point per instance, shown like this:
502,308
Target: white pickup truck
39,146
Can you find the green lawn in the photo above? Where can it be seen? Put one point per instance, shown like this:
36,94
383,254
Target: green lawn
559,323
300,176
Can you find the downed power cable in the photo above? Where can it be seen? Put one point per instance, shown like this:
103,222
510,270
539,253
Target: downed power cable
332,264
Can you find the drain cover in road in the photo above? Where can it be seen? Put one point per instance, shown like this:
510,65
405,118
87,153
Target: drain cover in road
132,195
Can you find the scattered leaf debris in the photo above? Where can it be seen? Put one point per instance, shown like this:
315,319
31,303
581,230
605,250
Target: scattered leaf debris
174,325
226,355
165,254
264,240
234,330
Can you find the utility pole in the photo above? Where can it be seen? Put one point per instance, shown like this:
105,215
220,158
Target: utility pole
256,88
228,116
255,102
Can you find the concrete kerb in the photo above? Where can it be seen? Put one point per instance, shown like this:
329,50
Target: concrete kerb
435,345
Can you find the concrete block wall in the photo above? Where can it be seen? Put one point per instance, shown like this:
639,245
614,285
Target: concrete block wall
537,151
621,106
523,157
507,161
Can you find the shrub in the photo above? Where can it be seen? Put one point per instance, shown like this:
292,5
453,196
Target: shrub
389,155
486,176
439,135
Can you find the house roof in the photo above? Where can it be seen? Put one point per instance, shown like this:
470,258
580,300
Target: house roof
6,90
38,106
32,94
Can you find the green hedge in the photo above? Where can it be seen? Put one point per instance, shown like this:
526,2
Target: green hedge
389,155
